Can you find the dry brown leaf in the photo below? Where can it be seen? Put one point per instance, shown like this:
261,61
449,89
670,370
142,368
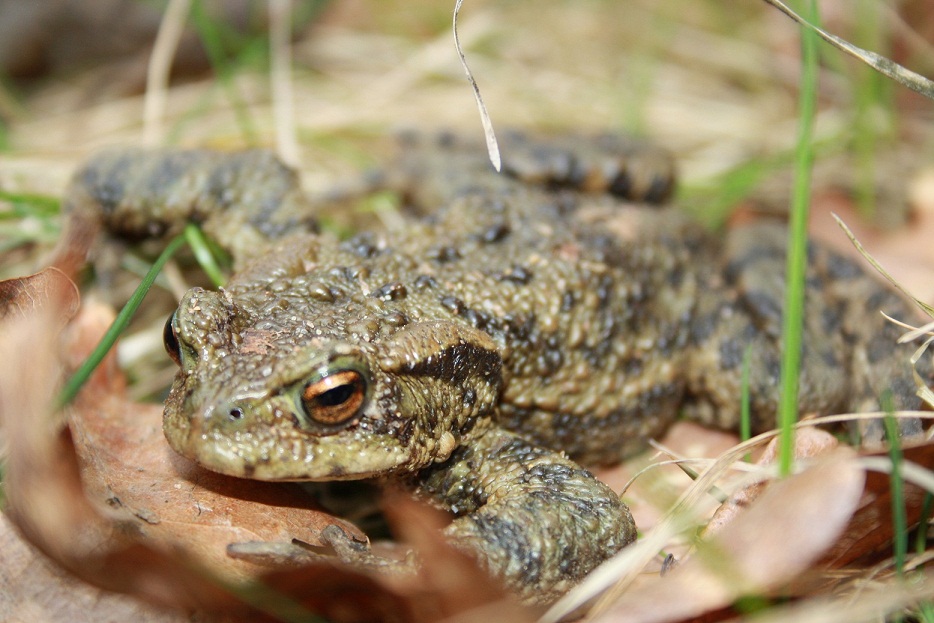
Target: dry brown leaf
449,585
790,525
44,493
452,578
34,590
126,461
809,442
868,537
23,297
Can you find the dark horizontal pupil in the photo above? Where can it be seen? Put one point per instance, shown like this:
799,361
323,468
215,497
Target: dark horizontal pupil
336,396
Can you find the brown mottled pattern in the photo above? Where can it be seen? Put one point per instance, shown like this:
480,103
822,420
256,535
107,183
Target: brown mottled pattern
580,321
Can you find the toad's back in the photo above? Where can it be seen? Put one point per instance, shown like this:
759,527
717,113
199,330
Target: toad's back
611,317
614,317
590,301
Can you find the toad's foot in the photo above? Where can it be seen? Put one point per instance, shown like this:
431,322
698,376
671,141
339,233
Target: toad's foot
532,517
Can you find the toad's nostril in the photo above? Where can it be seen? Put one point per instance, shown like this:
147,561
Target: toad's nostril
228,415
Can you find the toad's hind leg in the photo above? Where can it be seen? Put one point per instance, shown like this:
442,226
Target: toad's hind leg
849,355
622,166
434,171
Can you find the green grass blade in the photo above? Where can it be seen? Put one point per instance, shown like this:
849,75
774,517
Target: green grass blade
896,485
202,250
30,204
4,128
212,36
873,117
926,612
797,246
80,377
921,540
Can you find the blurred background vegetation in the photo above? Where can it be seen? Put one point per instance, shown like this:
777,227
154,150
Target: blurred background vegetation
715,82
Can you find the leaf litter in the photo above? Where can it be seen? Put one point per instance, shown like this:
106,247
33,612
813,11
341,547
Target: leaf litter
782,543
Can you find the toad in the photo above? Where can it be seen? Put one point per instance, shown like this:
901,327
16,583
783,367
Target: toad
510,330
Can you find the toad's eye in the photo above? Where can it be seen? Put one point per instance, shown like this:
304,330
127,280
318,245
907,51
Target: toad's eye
170,340
336,398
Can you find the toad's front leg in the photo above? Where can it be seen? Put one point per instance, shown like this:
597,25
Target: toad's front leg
244,200
533,517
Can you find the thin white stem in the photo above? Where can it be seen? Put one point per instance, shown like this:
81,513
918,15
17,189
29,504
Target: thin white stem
160,65
280,36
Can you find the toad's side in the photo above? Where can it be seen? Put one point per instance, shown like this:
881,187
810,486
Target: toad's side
513,322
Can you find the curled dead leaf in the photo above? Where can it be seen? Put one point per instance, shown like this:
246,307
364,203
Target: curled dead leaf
809,442
34,589
45,497
49,289
868,537
781,535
